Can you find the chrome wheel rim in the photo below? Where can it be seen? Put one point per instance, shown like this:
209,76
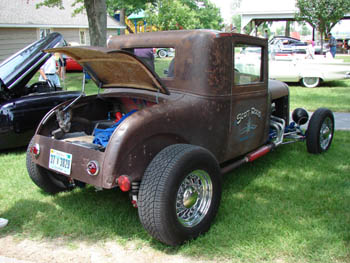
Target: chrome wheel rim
310,81
194,198
326,133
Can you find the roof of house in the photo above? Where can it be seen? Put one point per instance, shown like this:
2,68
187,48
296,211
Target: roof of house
23,13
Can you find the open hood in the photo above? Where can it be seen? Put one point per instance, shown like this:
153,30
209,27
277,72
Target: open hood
17,70
114,68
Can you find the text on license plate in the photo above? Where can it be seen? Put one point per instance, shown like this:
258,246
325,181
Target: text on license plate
60,161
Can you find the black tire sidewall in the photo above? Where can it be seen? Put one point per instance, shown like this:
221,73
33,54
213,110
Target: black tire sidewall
159,187
190,162
44,178
313,131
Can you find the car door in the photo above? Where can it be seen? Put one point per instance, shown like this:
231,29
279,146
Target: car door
249,96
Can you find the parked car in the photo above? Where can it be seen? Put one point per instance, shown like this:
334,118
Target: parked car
309,72
286,46
164,52
168,140
72,65
22,106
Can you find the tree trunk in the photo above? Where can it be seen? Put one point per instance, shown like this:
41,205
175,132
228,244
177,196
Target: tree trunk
322,35
97,18
287,32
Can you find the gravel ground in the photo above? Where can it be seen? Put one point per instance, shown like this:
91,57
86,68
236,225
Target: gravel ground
44,251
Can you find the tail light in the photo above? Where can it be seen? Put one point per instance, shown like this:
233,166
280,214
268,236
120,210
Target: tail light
35,150
93,168
124,183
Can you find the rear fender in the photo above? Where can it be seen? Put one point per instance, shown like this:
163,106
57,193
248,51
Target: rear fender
133,162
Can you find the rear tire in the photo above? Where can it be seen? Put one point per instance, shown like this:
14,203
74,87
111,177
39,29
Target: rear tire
320,131
48,181
180,193
310,82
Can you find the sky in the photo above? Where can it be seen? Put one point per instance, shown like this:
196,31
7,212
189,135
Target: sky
227,11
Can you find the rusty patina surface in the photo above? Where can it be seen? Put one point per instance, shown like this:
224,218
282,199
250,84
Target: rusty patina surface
199,105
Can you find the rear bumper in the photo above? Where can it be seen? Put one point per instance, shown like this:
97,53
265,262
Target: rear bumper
81,156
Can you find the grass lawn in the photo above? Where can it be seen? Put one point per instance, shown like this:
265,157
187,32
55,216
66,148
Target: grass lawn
346,58
289,206
334,95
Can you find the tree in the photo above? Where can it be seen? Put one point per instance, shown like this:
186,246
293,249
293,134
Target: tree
126,7
322,14
237,22
97,14
97,17
305,31
183,14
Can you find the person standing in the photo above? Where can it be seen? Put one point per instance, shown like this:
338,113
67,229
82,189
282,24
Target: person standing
332,43
3,222
48,71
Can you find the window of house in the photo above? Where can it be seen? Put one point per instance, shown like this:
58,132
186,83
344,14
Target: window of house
82,37
43,32
247,64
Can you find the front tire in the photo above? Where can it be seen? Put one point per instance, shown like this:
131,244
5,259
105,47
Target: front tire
320,131
310,82
180,193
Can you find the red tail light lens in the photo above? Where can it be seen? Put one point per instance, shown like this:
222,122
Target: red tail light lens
93,168
124,183
35,150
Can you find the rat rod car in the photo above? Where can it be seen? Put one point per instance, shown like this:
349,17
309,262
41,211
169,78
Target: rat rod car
22,106
168,139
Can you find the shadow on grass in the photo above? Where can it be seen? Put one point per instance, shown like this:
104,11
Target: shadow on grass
287,203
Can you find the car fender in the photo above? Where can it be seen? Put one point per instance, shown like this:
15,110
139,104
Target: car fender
136,141
311,74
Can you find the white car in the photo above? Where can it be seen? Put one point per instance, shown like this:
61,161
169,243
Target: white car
310,72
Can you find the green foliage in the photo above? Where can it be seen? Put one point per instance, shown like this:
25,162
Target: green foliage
209,16
130,6
322,14
237,22
280,31
51,3
184,14
305,30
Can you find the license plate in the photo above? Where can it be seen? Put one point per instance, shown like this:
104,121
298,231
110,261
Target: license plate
60,161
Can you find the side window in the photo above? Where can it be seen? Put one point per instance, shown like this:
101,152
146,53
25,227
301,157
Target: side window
160,59
247,64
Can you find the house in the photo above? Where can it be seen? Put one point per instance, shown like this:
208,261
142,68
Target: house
21,23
